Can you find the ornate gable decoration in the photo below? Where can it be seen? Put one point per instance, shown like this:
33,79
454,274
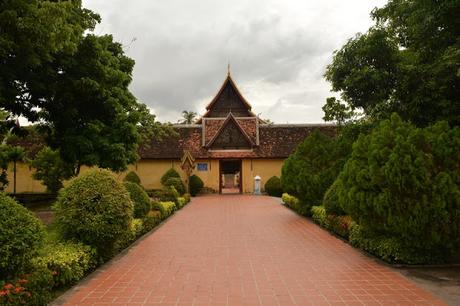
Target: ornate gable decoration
228,100
230,136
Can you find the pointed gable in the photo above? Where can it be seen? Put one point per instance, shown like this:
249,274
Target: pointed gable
228,100
230,136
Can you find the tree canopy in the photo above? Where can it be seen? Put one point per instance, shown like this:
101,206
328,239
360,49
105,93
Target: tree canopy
408,62
74,83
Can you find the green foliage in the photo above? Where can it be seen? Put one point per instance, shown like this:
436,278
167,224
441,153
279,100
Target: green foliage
188,117
152,219
165,208
187,197
403,182
273,187
195,184
331,200
176,183
33,289
94,209
339,225
67,262
170,173
136,229
390,249
4,159
21,234
50,169
311,169
167,194
294,204
406,63
139,197
180,202
132,177
334,110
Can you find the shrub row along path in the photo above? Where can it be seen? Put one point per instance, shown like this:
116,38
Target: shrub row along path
244,250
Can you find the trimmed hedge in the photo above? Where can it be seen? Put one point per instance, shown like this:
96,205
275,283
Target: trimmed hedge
176,183
68,262
94,209
166,208
273,187
340,225
170,173
140,199
21,235
132,177
195,184
294,203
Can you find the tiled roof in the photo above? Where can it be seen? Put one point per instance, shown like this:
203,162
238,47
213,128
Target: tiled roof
275,141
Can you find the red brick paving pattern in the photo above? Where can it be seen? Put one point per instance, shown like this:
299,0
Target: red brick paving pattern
244,250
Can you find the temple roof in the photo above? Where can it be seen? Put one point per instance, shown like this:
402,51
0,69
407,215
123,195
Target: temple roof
275,141
228,99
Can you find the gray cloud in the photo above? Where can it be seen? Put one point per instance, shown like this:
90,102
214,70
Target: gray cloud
278,50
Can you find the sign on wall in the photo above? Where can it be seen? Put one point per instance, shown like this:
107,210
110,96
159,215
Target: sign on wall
202,166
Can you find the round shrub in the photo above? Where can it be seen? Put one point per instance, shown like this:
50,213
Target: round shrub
176,183
21,234
132,177
273,187
94,209
195,184
331,200
311,169
403,182
170,173
140,199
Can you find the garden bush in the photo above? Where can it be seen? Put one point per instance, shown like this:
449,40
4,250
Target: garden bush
139,197
170,173
94,209
132,177
152,219
32,289
187,197
273,187
67,262
21,235
339,225
136,229
294,203
176,183
403,183
331,200
180,202
195,184
166,208
311,169
167,194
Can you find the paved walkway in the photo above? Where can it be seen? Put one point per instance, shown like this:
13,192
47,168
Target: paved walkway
244,250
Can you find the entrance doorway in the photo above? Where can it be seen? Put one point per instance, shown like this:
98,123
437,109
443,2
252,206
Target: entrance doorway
230,178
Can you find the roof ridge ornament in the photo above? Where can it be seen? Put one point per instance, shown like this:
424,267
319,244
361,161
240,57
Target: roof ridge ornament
228,68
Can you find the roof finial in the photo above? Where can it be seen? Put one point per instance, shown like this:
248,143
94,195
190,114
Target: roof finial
228,68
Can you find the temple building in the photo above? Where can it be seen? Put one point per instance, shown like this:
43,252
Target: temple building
230,145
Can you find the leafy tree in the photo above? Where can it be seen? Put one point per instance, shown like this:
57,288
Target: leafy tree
403,182
33,35
188,117
74,83
50,169
406,63
334,110
15,154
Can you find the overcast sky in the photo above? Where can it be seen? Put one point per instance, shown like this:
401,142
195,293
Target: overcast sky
278,50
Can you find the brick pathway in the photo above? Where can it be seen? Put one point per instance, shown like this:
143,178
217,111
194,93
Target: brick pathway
244,250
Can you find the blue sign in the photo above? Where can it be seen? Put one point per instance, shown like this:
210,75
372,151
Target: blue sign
202,166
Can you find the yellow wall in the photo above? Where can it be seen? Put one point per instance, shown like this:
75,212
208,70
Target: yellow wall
150,172
265,168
